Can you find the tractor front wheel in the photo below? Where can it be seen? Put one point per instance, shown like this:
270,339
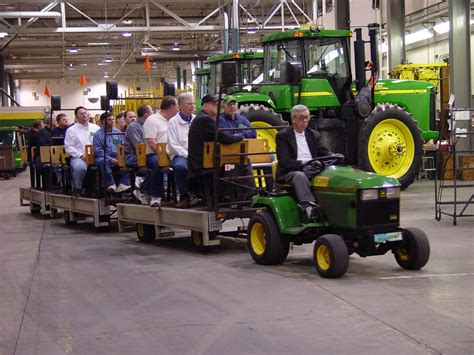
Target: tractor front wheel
264,241
391,144
413,252
331,256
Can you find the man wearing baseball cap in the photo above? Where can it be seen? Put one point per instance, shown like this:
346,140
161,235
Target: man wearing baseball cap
203,129
231,119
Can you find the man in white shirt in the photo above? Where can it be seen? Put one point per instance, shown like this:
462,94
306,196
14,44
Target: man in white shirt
77,136
155,131
296,145
177,148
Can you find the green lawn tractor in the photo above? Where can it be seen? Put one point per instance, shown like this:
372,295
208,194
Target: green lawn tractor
379,125
361,214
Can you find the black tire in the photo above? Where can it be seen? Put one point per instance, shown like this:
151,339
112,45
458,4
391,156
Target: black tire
6,176
264,241
67,218
413,252
390,143
34,208
146,233
330,256
197,239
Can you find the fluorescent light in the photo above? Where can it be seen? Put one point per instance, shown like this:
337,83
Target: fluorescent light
251,31
418,36
126,34
441,28
98,43
3,34
108,59
106,75
127,21
175,47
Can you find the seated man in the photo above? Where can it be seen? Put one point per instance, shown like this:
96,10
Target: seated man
203,129
106,140
58,133
295,146
134,135
156,131
77,136
177,147
231,119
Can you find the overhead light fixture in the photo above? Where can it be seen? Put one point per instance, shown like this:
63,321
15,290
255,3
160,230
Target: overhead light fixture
98,43
108,59
106,75
251,31
444,27
418,36
176,47
73,48
3,34
127,21
126,34
70,67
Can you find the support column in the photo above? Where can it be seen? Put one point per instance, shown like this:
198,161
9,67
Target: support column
11,82
396,32
185,80
225,34
178,77
460,52
3,82
343,17
235,26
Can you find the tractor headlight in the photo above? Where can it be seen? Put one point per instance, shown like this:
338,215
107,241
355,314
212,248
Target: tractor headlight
393,192
367,195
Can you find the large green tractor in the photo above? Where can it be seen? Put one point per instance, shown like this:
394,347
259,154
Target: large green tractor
361,214
379,127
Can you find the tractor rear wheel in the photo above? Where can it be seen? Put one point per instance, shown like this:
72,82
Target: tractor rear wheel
413,252
264,241
146,233
330,256
390,144
260,116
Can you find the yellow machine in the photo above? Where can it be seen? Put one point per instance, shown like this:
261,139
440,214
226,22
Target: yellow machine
425,72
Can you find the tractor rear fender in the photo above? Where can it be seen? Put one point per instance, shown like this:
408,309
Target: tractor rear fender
284,209
254,98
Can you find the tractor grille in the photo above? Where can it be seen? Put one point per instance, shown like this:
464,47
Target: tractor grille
378,213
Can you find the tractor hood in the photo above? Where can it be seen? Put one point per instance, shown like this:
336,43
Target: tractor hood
347,179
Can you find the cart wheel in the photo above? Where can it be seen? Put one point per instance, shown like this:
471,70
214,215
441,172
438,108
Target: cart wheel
198,243
67,218
146,233
413,252
330,256
34,208
6,176
264,241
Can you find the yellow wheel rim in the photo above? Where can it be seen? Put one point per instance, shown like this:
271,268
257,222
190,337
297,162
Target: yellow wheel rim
268,134
323,257
257,238
140,230
391,148
403,254
197,238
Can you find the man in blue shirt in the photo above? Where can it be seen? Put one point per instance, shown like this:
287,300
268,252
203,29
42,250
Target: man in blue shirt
58,133
114,138
231,119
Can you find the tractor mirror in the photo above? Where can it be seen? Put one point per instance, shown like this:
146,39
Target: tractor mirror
228,73
290,73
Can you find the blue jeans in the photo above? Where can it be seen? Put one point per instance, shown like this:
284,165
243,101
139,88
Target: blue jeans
180,168
154,181
109,178
78,172
131,160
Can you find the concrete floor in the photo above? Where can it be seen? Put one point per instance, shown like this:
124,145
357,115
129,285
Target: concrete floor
69,290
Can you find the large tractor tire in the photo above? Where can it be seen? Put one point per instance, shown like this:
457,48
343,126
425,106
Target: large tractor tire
146,233
390,144
330,256
413,252
264,241
261,116
198,240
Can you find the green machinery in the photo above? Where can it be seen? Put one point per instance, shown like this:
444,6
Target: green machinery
361,214
380,127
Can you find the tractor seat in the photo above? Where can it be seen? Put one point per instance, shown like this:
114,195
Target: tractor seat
280,187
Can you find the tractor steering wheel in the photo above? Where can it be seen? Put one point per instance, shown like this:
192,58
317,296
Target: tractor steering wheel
329,160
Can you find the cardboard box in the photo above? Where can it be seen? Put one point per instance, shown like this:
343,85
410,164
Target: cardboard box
467,161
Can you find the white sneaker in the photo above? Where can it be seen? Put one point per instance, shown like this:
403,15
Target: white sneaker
138,181
155,202
140,197
123,188
193,200
112,189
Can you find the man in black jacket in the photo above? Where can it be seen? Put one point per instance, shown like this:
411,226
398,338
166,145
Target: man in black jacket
295,147
203,129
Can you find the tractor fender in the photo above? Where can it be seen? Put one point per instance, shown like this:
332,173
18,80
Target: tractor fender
284,209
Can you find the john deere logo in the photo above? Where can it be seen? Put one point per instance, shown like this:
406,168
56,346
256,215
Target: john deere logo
382,193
